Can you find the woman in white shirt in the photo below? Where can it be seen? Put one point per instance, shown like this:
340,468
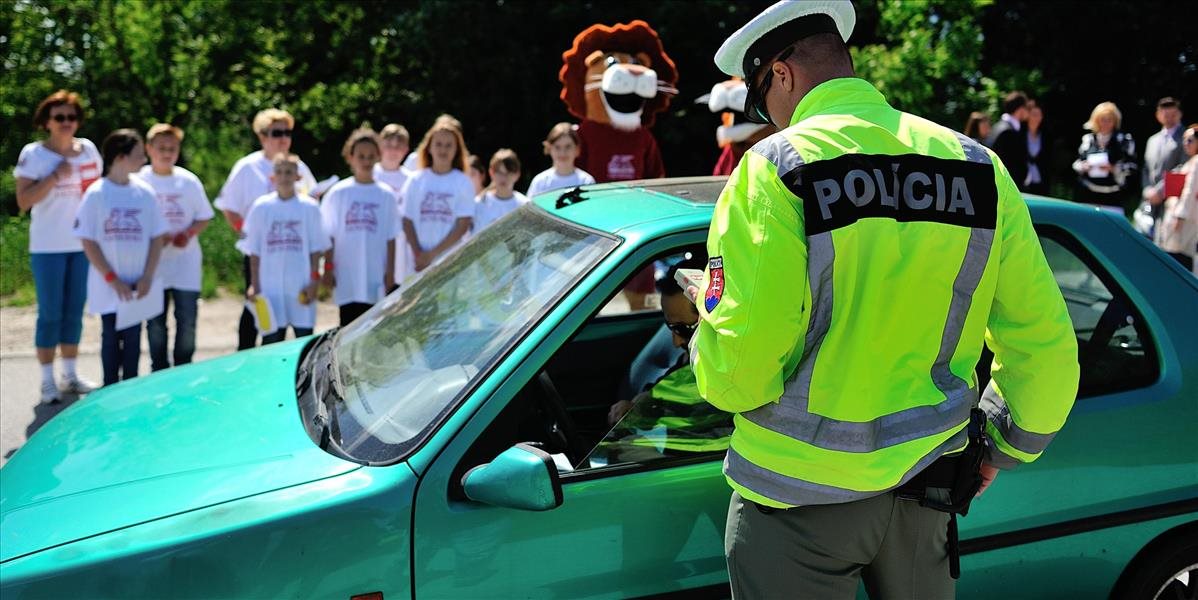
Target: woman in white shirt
51,177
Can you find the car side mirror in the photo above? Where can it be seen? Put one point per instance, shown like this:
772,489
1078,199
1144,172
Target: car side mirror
522,477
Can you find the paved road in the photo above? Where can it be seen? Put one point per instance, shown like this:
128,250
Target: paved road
21,414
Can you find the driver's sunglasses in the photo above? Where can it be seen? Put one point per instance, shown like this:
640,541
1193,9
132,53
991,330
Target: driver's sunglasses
758,113
683,330
278,133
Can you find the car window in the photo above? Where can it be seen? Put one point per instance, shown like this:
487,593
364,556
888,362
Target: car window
401,366
1115,351
665,419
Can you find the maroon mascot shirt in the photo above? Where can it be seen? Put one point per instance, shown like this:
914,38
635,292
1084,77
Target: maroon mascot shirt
611,154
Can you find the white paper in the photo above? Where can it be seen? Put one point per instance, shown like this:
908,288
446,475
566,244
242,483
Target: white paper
324,185
137,310
1097,160
261,303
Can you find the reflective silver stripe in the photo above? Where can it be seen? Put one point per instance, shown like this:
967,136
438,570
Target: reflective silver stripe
973,266
800,492
1018,437
778,150
974,152
821,258
791,417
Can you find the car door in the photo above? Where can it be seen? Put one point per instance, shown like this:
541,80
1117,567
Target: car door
624,530
1120,471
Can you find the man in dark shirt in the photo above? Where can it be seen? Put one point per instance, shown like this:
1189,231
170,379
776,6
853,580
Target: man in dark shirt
1007,139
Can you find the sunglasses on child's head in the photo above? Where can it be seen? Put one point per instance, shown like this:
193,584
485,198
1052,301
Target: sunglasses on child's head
278,133
65,118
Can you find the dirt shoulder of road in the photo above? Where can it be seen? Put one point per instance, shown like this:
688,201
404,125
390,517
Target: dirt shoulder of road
216,327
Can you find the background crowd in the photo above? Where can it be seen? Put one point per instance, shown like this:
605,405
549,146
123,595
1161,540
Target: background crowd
1108,170
208,67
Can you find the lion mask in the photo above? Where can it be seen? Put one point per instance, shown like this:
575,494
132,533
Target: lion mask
619,75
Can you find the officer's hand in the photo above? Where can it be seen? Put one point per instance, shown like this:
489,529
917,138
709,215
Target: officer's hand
617,411
989,472
691,292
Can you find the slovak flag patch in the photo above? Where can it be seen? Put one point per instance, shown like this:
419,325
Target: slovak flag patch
715,289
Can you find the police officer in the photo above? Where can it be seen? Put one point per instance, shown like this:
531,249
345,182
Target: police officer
858,259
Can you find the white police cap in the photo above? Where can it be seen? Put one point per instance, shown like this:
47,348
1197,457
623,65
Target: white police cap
779,26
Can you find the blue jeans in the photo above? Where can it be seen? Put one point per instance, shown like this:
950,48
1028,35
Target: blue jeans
119,350
60,279
185,329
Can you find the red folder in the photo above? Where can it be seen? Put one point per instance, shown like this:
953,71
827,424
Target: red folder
1174,183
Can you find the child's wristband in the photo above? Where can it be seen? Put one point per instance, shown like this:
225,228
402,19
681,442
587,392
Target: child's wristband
110,277
315,275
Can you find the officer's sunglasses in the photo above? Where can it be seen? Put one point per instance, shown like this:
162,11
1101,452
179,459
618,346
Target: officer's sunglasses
683,330
278,133
755,109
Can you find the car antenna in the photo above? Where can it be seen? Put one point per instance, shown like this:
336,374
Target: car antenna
573,196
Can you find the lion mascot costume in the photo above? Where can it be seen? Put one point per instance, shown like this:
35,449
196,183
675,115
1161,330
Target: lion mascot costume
615,80
735,134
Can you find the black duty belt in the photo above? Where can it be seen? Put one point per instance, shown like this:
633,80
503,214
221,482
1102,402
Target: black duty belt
957,477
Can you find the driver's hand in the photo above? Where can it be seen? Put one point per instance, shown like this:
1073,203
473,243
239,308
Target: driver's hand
617,411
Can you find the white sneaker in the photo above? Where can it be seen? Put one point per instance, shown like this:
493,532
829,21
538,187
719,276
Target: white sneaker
50,393
73,384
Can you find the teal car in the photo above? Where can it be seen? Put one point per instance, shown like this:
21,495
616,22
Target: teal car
453,441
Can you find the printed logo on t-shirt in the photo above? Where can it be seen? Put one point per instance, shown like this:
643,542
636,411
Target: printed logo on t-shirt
88,174
362,216
285,236
122,224
435,207
169,203
620,167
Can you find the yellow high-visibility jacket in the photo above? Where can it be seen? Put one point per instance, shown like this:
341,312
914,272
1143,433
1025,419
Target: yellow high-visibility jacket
858,260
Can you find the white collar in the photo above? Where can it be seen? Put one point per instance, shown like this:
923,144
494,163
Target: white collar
1013,121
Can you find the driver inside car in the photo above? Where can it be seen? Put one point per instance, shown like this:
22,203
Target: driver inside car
669,416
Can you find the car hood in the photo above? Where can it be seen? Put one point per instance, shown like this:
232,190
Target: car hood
156,446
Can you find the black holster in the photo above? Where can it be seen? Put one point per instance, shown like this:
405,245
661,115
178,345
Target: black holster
958,474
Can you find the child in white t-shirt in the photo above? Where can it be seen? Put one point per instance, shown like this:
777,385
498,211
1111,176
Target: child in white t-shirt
284,238
249,180
121,228
501,198
439,198
562,146
359,215
391,170
185,207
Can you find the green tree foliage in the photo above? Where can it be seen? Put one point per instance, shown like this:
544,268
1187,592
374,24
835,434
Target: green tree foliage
209,65
927,60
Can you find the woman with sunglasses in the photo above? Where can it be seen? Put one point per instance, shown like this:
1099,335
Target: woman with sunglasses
51,177
252,177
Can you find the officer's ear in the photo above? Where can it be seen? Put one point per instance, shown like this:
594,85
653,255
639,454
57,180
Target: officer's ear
785,73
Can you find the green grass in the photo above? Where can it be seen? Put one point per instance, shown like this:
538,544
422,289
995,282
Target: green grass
222,262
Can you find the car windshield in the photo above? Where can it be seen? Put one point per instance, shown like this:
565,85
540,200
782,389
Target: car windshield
400,367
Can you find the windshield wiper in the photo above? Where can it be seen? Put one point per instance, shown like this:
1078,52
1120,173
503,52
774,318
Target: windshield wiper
573,196
325,417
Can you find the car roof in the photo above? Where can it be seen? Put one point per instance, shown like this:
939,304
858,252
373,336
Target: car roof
651,207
